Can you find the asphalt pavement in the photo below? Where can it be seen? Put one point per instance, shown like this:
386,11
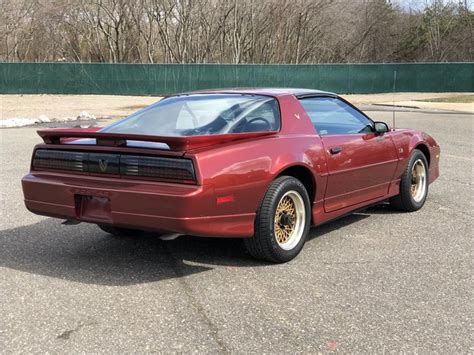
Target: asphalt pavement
374,281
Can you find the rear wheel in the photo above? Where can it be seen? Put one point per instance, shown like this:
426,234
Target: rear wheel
282,222
120,232
413,184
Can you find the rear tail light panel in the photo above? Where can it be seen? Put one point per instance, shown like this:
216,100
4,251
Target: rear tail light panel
169,169
45,159
157,167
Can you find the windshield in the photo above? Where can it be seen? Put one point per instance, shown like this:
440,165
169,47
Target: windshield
202,114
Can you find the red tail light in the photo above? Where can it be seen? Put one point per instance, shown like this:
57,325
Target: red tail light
157,167
160,168
58,159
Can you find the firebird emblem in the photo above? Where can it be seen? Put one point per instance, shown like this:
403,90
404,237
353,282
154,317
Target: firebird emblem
297,115
103,165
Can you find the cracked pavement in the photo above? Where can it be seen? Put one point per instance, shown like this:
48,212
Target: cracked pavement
374,281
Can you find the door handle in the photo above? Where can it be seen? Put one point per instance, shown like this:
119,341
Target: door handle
335,150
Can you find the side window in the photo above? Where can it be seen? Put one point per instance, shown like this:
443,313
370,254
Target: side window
332,116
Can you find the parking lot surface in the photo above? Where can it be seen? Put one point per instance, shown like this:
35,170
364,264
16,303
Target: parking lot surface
377,280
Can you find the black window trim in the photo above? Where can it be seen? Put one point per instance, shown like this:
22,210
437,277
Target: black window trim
333,96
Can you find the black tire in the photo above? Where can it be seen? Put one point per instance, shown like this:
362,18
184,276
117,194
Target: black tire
264,245
405,201
120,232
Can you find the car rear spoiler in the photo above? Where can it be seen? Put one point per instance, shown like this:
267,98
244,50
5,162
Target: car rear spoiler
62,135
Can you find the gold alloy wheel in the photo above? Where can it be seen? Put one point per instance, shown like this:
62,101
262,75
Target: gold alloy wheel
285,219
289,220
418,181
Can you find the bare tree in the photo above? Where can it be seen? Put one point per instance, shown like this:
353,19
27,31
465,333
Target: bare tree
235,31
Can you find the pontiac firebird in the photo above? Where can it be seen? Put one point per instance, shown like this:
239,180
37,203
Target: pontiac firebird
260,164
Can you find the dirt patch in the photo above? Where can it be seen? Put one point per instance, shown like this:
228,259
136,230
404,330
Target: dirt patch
134,107
64,106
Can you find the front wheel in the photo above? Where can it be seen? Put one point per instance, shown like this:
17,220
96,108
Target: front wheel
413,184
282,222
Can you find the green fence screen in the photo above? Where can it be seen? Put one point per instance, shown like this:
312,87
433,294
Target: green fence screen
157,79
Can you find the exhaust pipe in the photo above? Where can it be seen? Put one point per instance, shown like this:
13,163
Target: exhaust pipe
172,236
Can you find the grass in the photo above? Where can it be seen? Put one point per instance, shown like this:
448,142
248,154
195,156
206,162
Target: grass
452,99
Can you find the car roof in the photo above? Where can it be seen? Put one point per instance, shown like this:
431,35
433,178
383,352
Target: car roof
262,91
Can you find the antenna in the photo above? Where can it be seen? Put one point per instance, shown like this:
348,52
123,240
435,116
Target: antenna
393,97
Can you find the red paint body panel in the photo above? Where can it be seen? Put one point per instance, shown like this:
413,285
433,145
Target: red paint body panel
362,171
233,173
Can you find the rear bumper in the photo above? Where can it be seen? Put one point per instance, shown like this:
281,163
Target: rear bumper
162,207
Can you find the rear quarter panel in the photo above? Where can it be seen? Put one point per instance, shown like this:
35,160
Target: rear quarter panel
244,170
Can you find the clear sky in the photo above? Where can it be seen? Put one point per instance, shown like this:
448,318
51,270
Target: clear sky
420,4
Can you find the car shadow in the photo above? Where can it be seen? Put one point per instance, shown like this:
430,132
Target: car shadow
335,225
382,208
86,254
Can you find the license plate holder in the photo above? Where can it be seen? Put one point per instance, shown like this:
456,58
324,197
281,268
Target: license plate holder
93,208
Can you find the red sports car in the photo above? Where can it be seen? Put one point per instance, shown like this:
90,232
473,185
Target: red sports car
260,164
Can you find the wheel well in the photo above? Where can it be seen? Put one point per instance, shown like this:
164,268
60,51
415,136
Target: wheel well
305,176
424,149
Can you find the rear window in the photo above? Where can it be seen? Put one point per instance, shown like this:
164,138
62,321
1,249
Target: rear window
191,115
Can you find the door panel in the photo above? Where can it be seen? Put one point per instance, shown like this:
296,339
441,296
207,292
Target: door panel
360,163
360,167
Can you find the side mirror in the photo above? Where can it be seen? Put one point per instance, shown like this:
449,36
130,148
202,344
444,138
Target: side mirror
380,127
